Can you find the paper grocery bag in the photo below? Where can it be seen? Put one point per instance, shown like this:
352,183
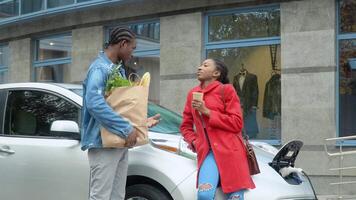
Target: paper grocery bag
130,103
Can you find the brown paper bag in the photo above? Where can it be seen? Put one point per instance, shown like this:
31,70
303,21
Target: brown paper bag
131,103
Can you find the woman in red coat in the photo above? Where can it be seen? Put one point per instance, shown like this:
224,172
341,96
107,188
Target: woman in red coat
221,152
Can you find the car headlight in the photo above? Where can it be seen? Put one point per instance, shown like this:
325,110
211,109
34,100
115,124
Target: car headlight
181,149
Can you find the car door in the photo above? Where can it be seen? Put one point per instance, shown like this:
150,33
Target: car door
36,163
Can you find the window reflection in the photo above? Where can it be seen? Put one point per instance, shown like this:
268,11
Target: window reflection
31,113
244,25
52,73
29,6
9,9
54,47
57,3
255,74
347,87
347,16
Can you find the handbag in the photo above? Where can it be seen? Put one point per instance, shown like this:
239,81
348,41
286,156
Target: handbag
250,153
251,158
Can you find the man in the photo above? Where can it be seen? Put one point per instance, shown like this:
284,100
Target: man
108,166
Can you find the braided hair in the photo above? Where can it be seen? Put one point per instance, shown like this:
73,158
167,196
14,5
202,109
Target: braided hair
222,68
119,34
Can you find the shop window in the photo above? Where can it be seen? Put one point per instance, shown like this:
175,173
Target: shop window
254,65
244,25
52,58
9,9
4,63
347,67
347,16
146,57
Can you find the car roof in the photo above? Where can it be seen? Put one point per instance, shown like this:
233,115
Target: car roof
59,88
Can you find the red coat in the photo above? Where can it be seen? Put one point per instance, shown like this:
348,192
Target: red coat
224,131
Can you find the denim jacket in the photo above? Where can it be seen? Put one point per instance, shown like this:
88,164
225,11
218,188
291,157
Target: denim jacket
96,113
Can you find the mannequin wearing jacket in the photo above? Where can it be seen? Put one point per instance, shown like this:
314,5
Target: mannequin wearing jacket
221,152
246,86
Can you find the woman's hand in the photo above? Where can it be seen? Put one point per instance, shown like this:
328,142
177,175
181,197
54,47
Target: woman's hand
200,106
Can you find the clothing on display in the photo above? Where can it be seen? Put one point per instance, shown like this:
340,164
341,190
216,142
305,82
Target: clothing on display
246,86
272,97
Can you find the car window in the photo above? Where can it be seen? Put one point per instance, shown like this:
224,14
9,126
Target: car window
170,121
31,113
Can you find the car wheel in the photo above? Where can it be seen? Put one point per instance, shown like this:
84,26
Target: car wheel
145,192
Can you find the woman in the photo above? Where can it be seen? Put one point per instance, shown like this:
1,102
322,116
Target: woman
221,153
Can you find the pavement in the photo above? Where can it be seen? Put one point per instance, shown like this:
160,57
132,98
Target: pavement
335,197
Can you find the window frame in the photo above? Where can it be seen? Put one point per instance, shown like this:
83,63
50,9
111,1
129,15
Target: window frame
47,62
4,68
5,109
239,43
339,37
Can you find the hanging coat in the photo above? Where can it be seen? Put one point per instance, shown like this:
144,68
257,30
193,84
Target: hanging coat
224,132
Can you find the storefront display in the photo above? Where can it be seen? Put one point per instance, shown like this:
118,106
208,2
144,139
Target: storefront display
254,66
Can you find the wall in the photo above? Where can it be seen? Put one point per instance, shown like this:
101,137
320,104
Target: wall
181,53
87,42
20,60
308,84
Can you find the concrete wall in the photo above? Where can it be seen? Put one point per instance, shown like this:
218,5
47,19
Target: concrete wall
20,60
308,50
87,42
181,53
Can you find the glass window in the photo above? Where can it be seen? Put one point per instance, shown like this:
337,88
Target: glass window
347,16
255,74
246,25
347,87
54,47
57,3
31,113
146,56
52,73
29,6
52,60
9,8
4,63
170,121
148,30
254,65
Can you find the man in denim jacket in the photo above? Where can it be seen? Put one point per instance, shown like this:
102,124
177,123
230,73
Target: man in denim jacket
108,166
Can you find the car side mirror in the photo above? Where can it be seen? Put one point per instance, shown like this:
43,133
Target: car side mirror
65,128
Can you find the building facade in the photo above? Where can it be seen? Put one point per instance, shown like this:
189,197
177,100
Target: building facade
291,62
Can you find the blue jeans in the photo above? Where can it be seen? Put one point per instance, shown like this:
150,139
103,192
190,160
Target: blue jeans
209,179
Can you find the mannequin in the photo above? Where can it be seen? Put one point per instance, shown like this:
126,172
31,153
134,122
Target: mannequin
246,86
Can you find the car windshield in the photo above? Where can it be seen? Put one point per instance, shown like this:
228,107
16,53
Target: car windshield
170,121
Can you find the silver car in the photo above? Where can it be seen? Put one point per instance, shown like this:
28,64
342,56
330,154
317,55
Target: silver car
40,156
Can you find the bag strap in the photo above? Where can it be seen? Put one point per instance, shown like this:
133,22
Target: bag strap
222,91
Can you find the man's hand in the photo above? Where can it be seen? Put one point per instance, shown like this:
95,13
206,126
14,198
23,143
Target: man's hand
153,121
132,138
